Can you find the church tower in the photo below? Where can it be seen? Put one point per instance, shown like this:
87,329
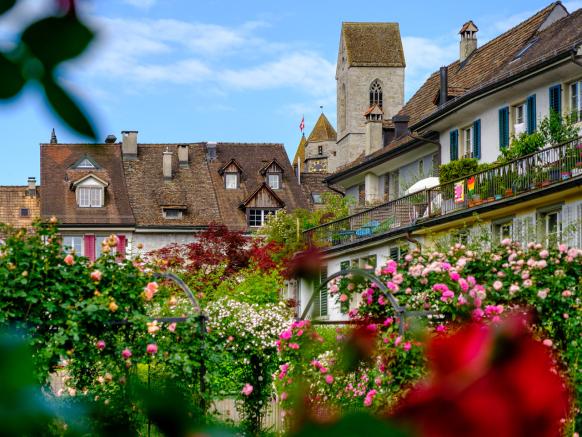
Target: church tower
370,71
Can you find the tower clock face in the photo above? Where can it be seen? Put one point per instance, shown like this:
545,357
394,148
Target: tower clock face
319,165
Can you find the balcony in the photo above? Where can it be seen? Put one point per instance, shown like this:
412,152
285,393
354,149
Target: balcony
532,173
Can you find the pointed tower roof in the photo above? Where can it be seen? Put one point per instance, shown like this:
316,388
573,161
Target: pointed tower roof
300,154
322,131
53,137
373,44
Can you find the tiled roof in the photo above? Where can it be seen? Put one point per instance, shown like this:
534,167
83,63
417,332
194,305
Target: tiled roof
322,131
57,176
300,153
373,44
15,198
252,158
488,62
314,183
189,187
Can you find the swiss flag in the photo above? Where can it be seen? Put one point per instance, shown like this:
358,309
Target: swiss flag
302,124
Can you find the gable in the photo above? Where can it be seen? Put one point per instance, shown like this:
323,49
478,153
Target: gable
272,167
231,167
89,180
85,163
263,197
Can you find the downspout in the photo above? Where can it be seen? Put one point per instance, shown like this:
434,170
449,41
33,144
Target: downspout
573,57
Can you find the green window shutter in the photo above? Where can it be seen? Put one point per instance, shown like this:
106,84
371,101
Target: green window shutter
477,139
531,114
556,98
503,127
323,293
454,146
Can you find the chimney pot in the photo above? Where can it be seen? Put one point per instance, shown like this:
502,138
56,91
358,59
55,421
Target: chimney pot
31,191
167,165
183,150
468,43
129,144
444,85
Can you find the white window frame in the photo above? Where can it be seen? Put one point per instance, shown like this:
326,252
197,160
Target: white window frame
73,243
576,99
85,164
519,118
467,142
89,196
231,180
178,216
258,216
557,234
276,177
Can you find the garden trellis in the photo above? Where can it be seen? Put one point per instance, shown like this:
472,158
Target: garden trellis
400,311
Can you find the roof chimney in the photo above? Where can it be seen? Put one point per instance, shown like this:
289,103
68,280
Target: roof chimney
373,135
129,144
211,151
400,125
444,85
31,191
54,137
110,139
468,42
167,165
183,155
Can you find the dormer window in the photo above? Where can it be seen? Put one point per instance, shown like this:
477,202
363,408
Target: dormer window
231,180
85,163
90,191
90,197
173,213
273,173
232,174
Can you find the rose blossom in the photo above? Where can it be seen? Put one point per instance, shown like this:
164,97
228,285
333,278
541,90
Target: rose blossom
69,260
247,389
152,349
150,290
544,254
566,293
172,327
96,275
343,297
407,346
126,353
283,396
498,285
547,342
328,379
100,345
542,294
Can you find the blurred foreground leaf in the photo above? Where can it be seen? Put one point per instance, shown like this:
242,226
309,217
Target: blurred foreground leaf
11,80
56,39
352,425
5,5
67,109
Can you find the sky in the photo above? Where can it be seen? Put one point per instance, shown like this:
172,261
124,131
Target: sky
182,71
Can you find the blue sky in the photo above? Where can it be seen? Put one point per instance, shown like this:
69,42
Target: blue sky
209,70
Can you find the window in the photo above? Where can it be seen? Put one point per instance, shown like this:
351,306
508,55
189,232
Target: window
344,265
553,227
531,114
454,145
576,100
173,213
73,243
504,127
274,180
556,98
320,150
467,142
317,199
504,230
519,114
421,168
24,212
258,216
85,164
231,181
376,93
90,197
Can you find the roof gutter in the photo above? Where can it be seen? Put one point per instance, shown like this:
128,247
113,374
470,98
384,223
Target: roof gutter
465,99
335,178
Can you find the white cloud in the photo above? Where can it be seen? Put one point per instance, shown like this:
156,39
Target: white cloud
142,4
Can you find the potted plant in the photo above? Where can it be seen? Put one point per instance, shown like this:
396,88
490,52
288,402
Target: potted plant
565,175
578,169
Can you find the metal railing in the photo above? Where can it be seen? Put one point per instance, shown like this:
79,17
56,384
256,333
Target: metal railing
538,170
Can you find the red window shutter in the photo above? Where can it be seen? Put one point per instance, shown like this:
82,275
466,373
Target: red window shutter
121,247
89,241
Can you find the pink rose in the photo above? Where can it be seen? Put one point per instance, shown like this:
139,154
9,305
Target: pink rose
283,396
126,353
100,345
286,335
566,293
407,346
440,328
542,294
69,260
547,342
562,248
293,346
150,290
343,297
329,379
152,349
454,276
497,285
172,327
247,389
96,275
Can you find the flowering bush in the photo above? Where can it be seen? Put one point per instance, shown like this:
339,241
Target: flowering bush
458,285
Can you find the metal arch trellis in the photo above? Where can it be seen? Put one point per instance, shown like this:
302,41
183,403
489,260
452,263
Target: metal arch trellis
401,312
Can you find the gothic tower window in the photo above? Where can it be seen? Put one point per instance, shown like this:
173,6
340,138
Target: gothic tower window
342,108
376,93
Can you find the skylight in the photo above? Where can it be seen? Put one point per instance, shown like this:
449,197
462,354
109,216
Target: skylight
86,163
525,49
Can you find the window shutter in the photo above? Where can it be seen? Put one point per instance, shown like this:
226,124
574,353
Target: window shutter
121,247
89,245
477,139
531,114
503,127
454,145
323,293
394,253
556,98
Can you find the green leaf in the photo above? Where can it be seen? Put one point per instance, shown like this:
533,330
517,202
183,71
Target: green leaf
12,79
67,109
5,5
56,39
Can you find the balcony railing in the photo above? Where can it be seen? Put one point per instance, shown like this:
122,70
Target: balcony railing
536,171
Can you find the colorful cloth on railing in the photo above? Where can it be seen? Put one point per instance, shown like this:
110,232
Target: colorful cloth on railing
459,192
471,185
